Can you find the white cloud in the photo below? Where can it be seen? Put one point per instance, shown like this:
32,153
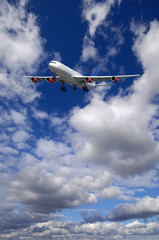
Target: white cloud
39,114
122,128
27,159
89,50
144,208
146,49
8,150
13,117
94,183
19,37
119,2
148,179
18,117
51,149
98,230
110,192
20,138
44,192
20,50
95,13
135,225
114,129
56,56
67,229
139,229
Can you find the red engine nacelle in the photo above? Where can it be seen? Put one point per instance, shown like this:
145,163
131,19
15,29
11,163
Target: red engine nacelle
34,79
89,80
115,79
50,80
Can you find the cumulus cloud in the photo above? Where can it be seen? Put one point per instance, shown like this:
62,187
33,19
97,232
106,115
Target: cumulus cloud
51,149
135,225
44,175
15,132
45,192
19,138
69,230
20,50
146,49
82,230
110,192
39,114
95,13
117,127
56,56
89,50
93,218
94,183
144,208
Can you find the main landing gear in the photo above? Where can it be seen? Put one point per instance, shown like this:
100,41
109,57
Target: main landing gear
85,89
63,89
74,88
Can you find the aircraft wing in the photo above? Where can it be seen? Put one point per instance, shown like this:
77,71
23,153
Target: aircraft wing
49,79
114,78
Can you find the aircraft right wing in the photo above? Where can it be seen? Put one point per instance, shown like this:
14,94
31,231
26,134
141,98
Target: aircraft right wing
49,79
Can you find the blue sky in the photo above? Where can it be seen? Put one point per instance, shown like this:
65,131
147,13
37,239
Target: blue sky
79,165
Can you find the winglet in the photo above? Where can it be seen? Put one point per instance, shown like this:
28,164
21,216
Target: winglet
142,74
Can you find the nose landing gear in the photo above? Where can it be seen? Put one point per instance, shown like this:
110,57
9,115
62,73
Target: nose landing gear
74,88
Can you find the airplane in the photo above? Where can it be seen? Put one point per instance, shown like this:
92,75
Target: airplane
64,74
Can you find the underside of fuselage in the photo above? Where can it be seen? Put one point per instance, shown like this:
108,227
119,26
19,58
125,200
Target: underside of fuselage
75,84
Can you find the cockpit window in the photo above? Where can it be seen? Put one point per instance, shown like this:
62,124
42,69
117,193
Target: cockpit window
53,62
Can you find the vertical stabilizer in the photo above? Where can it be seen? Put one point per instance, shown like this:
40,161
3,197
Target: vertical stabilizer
95,72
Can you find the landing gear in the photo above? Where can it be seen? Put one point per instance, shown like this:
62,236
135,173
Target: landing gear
74,88
85,89
63,89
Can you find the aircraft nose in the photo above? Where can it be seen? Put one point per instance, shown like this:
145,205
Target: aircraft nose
50,65
53,66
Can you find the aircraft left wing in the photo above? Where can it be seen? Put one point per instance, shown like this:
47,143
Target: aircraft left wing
49,79
103,78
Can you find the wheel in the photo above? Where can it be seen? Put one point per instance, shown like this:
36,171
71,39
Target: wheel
63,89
85,89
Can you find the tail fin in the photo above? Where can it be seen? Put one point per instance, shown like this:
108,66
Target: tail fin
95,72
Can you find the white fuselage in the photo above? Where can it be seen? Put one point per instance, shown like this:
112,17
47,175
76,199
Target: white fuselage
67,75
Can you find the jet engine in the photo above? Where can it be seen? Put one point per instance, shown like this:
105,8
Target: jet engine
34,79
50,80
88,79
115,79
